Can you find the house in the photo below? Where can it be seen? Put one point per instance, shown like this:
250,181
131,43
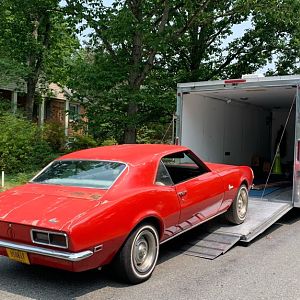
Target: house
55,105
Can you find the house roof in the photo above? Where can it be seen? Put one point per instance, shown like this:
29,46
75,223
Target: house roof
58,92
55,91
14,86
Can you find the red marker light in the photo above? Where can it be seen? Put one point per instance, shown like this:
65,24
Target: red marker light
235,81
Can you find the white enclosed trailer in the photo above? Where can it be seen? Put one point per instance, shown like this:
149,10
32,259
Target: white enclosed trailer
233,121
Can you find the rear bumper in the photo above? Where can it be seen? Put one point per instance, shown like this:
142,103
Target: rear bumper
68,256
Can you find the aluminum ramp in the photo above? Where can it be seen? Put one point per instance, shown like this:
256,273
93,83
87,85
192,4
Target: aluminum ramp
210,245
217,237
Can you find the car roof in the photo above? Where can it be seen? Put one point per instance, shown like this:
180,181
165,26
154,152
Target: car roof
128,153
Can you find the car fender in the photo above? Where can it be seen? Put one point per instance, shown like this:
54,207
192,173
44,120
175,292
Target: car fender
150,214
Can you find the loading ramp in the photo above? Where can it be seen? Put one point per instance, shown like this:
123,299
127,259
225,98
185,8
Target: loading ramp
217,237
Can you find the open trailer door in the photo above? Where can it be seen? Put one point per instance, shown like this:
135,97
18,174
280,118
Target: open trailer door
296,179
206,112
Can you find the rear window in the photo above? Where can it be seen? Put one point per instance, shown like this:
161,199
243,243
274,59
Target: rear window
81,173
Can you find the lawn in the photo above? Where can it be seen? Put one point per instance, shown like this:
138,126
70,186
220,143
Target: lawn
15,180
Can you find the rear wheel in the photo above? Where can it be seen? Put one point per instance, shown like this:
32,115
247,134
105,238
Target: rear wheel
138,256
237,212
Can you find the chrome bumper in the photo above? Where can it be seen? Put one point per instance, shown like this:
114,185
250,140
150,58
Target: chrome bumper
69,256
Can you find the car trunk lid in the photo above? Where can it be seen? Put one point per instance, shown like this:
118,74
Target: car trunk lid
48,206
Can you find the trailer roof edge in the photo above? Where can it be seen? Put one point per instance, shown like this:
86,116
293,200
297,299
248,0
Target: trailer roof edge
272,80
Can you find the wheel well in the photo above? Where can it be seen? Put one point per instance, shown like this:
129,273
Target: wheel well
154,221
245,182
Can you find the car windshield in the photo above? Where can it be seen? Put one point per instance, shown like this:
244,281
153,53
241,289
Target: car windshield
83,173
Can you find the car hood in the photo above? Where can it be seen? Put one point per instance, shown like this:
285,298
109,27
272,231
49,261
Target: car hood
48,206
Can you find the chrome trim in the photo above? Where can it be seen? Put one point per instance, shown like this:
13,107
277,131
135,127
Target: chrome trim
98,248
40,172
50,232
192,227
69,256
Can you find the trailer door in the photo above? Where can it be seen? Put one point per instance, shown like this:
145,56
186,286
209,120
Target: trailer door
296,183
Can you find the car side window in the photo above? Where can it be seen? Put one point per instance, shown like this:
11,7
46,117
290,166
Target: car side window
163,176
183,166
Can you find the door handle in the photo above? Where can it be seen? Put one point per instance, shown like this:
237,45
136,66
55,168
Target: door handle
182,194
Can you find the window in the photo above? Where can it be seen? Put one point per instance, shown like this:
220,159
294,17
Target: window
74,112
163,176
183,166
83,173
48,110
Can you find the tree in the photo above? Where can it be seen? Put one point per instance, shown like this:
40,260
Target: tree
35,40
272,34
135,45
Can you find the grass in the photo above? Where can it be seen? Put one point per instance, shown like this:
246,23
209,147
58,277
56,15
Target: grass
15,180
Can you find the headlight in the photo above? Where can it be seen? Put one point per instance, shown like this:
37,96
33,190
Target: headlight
55,239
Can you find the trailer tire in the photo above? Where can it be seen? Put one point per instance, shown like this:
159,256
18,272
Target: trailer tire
237,212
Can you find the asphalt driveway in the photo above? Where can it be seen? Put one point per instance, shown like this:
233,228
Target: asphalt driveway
269,268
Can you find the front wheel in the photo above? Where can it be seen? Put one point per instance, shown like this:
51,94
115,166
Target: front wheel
138,256
237,212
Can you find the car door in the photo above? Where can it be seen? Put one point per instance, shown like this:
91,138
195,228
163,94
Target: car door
200,191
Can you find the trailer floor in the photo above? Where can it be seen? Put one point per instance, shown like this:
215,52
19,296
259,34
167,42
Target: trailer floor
217,237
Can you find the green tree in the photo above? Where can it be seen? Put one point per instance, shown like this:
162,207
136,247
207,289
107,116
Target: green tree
35,43
272,33
138,50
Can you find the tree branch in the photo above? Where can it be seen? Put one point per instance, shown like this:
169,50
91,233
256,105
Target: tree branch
216,35
105,41
161,28
192,19
228,60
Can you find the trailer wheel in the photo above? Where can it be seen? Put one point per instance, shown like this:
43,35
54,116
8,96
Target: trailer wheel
237,212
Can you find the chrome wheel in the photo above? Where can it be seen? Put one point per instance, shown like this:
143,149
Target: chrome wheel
242,203
145,250
237,212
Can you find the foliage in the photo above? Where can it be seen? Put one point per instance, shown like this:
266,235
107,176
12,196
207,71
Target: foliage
36,42
16,179
21,147
79,142
138,51
5,105
109,142
54,134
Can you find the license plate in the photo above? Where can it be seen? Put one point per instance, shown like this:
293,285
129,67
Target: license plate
17,255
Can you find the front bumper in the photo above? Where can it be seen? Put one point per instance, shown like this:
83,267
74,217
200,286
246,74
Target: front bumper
68,256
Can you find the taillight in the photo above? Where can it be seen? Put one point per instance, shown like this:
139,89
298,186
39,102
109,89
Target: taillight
55,239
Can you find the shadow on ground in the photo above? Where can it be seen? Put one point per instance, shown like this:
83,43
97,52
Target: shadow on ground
46,283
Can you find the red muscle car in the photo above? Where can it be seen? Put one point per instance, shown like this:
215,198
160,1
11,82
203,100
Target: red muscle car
117,204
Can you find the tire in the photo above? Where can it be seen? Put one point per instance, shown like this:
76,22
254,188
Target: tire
237,212
137,258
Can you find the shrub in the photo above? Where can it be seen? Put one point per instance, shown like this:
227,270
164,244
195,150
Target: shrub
54,135
22,148
79,142
5,105
109,142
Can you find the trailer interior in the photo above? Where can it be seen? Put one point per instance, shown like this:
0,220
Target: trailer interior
243,125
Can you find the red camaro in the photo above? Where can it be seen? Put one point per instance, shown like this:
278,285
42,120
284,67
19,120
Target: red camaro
117,204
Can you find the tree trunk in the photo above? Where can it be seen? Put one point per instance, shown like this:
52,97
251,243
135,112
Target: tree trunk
140,69
130,130
134,75
31,85
35,61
